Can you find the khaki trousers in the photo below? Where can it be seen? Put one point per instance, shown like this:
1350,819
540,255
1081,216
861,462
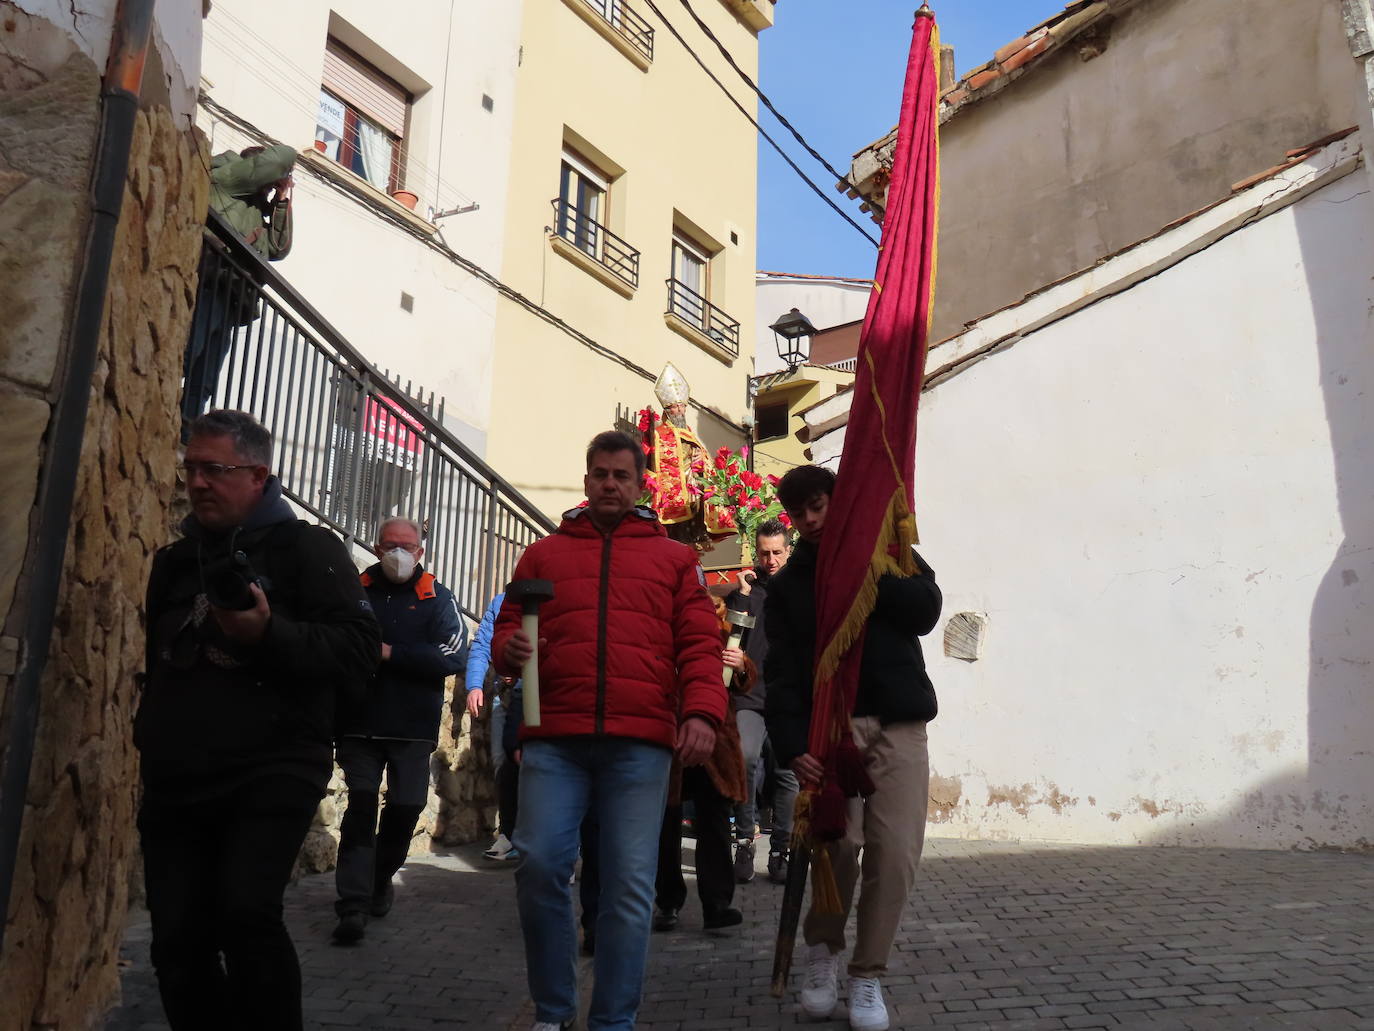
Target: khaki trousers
889,828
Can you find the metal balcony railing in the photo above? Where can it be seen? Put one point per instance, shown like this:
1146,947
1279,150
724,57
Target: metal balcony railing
698,312
623,19
351,447
596,240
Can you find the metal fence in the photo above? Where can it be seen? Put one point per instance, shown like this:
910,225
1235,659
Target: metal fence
591,237
625,21
692,308
351,447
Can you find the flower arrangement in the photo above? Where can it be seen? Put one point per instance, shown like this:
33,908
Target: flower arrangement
741,499
749,498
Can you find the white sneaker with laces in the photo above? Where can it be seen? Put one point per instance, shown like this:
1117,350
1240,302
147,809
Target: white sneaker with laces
499,848
867,1011
819,989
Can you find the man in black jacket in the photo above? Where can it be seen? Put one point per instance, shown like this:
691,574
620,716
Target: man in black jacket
424,641
255,621
895,702
770,555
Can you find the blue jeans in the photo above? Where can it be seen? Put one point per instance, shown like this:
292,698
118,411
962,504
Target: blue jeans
624,784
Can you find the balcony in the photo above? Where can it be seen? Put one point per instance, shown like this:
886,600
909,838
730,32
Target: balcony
701,322
588,243
620,26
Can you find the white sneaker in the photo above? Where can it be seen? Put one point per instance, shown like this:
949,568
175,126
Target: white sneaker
544,1025
818,992
867,1012
499,848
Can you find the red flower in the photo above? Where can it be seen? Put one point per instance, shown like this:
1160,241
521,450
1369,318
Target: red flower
720,461
773,479
785,520
732,469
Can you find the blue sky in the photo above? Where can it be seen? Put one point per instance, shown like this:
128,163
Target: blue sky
835,68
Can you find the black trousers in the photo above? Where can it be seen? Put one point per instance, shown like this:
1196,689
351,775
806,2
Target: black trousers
215,873
507,795
370,855
715,868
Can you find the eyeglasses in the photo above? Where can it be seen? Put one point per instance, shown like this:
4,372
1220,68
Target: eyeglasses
385,546
210,470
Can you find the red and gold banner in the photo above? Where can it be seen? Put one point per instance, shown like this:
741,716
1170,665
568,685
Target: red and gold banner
869,529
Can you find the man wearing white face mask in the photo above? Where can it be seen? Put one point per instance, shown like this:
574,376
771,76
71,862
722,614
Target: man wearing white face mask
395,729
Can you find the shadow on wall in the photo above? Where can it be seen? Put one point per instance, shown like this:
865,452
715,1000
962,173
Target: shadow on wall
1331,801
1340,694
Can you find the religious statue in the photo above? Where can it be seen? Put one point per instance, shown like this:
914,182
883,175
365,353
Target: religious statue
679,460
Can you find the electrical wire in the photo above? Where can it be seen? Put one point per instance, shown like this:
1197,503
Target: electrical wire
822,194
730,60
251,131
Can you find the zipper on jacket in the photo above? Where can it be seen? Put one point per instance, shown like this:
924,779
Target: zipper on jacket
602,603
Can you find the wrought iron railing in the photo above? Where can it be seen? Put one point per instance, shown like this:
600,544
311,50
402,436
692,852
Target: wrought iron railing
351,447
620,17
697,311
594,239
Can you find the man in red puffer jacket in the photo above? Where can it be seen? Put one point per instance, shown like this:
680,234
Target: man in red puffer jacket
629,673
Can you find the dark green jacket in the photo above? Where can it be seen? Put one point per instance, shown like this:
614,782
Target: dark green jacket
236,185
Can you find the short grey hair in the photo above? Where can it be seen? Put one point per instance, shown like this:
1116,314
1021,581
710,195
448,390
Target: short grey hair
392,520
252,440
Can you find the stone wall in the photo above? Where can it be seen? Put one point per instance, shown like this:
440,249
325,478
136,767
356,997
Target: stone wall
69,897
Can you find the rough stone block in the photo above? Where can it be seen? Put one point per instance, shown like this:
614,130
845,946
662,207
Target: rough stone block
965,634
21,446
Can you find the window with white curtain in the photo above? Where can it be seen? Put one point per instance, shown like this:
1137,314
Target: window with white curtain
690,271
362,118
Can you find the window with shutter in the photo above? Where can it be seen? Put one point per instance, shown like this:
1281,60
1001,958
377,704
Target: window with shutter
362,118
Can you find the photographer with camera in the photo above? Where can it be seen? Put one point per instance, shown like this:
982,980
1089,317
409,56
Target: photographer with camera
396,727
255,622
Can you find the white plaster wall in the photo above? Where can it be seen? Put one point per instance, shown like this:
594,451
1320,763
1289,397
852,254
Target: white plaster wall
826,302
176,36
1165,506
348,261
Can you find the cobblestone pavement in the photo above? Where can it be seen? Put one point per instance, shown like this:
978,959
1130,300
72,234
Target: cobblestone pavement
1000,936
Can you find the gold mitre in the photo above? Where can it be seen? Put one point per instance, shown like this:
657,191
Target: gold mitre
671,386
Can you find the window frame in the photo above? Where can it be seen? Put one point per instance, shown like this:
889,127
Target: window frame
771,407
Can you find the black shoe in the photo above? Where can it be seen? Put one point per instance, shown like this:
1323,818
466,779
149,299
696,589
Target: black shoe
744,862
351,928
722,918
383,899
665,920
777,867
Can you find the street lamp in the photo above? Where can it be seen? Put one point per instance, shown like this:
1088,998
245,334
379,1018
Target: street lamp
793,333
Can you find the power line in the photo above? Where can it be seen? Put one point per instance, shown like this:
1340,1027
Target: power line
822,194
730,60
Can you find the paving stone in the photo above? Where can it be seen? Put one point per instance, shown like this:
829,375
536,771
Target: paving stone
1043,938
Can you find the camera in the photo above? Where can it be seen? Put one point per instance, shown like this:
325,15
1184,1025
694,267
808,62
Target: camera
226,582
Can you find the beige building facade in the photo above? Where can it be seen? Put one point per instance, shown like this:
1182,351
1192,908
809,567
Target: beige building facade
630,232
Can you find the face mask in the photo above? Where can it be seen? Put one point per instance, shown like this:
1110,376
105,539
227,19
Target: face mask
398,564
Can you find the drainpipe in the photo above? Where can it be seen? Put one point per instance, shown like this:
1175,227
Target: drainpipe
133,26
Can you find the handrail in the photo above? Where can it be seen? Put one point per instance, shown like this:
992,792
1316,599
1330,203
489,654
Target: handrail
353,447
226,235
